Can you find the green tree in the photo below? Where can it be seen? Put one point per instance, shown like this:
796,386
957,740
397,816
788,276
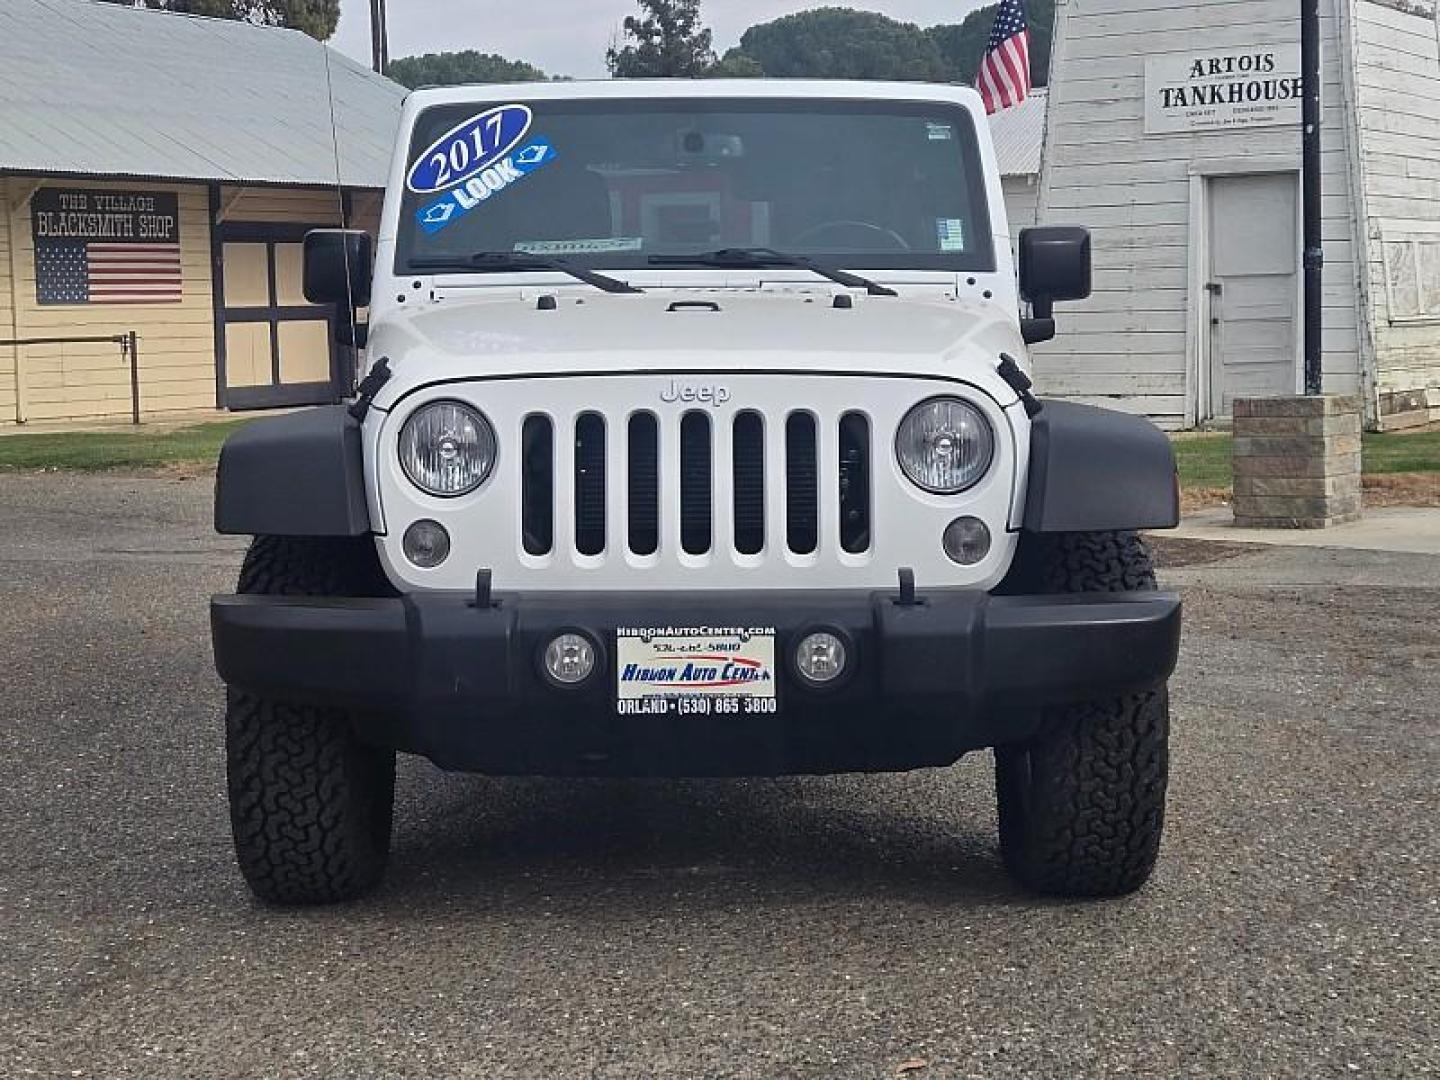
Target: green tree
963,44
735,65
315,17
455,68
838,43
665,40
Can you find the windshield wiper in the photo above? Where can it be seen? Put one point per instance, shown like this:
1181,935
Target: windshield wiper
519,260
761,256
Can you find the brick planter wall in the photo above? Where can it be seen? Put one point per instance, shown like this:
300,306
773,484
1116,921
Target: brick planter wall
1297,461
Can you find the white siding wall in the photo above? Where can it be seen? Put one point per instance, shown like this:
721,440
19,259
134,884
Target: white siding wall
1397,77
1021,195
1132,346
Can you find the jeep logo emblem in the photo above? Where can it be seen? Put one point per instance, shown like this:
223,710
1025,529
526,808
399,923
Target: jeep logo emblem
704,393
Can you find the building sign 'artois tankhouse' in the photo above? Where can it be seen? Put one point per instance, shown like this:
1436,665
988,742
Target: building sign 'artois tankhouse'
1222,89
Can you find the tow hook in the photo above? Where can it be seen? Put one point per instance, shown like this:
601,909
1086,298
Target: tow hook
907,597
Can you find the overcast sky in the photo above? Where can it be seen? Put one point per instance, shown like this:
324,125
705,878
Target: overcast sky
569,37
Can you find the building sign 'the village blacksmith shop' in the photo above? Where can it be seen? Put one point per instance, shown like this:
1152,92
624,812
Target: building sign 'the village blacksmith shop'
106,247
1223,89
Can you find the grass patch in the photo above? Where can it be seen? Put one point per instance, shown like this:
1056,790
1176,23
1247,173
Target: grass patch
1204,460
86,451
1401,453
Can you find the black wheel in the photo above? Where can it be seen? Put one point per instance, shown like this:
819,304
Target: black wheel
1082,806
310,805
312,566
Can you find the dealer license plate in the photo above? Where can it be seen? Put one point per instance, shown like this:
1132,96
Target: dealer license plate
695,670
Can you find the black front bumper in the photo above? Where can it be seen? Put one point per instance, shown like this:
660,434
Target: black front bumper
463,685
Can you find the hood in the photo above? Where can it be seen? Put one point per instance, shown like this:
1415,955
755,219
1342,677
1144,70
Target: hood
689,330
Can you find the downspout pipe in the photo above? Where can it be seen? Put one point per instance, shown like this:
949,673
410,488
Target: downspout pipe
1314,253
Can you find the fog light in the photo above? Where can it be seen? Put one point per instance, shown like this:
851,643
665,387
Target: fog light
426,544
966,541
820,657
570,659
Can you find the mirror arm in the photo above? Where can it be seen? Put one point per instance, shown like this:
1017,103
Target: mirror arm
1040,326
1034,331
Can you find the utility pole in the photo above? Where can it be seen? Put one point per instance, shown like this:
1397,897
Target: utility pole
1314,258
379,37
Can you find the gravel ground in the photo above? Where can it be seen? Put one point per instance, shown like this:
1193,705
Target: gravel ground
820,927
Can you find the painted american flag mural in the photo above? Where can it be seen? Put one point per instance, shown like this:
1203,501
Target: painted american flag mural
77,272
1004,79
106,247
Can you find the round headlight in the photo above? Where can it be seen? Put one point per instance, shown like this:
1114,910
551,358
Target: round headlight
944,445
447,449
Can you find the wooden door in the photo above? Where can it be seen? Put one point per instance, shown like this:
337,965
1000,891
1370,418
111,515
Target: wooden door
279,349
1253,291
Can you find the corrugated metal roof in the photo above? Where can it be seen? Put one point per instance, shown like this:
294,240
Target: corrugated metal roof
106,89
1019,134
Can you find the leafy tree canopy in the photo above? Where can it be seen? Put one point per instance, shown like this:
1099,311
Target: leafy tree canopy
665,40
455,68
963,44
735,65
838,43
315,17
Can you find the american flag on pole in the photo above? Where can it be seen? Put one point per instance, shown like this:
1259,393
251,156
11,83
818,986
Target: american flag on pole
1004,79
91,272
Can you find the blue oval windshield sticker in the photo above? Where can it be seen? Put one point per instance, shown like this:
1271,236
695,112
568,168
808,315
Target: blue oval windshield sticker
469,148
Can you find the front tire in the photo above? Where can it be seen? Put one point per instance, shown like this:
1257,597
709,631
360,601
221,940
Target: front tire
1082,805
310,805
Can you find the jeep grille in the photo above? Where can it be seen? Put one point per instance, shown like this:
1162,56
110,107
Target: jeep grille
695,433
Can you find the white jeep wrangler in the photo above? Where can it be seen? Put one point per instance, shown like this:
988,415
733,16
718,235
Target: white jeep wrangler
696,440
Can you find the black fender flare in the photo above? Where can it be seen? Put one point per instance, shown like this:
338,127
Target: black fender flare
301,474
1097,470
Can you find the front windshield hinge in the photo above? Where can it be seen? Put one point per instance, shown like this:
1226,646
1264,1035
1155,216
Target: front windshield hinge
1018,381
369,386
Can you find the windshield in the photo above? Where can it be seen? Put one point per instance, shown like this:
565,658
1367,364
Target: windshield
859,184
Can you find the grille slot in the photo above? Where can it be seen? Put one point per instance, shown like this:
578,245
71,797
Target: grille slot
537,485
802,490
854,483
590,484
748,482
695,480
643,496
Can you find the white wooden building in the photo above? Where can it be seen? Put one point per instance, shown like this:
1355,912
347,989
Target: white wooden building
1173,132
1019,133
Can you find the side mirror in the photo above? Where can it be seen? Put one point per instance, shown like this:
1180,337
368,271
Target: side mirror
337,267
1054,266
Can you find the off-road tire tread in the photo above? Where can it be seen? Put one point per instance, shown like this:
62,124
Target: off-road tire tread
310,805
1082,805
1090,818
1096,562
312,566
